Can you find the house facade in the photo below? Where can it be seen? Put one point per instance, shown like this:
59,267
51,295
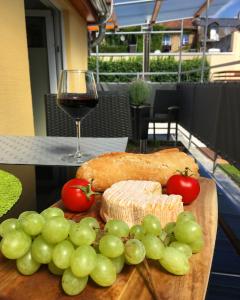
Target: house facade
171,42
219,33
38,38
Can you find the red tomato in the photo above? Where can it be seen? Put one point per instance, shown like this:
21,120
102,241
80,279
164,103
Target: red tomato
77,195
184,185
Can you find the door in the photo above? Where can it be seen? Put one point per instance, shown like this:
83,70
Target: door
45,60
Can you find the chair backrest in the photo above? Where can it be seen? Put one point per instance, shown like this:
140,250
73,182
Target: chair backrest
58,123
163,100
111,117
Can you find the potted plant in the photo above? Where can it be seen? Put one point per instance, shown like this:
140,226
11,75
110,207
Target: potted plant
139,92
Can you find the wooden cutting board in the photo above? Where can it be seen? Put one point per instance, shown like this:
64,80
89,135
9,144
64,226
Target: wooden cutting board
131,284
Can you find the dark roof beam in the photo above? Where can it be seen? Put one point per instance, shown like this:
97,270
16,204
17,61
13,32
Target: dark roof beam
202,8
156,10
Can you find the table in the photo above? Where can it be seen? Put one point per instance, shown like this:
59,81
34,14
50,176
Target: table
130,283
37,162
42,150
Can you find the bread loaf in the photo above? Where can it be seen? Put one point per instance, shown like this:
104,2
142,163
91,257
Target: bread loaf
113,167
132,200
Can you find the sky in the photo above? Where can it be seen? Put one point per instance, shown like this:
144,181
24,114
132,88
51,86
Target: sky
230,10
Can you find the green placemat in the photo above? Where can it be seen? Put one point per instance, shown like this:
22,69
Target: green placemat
10,191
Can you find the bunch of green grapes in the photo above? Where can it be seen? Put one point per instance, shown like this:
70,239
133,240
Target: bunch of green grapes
181,238
79,251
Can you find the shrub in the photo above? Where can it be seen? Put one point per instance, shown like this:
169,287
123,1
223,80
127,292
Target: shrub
134,64
139,92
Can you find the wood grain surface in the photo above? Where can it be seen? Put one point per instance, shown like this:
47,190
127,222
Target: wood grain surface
131,284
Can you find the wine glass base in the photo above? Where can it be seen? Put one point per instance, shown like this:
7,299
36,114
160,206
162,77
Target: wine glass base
78,159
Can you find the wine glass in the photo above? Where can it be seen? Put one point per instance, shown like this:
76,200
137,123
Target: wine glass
77,95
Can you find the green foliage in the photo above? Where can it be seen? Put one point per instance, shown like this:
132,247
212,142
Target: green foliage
156,39
139,92
113,43
122,65
164,65
105,48
134,64
171,65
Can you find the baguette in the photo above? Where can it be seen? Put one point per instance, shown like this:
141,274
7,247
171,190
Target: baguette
109,168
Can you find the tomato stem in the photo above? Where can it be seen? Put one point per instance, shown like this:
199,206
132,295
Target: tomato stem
87,190
186,172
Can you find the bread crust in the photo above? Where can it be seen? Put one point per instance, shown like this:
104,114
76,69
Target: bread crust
112,167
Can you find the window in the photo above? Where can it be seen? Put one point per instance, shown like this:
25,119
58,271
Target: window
166,41
185,40
212,31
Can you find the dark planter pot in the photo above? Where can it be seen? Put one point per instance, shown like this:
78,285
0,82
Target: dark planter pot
140,118
132,48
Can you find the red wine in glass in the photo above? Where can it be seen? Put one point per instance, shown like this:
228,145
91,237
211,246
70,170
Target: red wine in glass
77,105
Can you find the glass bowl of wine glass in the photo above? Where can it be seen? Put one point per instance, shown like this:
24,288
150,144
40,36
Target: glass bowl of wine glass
77,96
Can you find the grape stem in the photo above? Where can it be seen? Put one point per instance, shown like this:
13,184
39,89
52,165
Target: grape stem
150,280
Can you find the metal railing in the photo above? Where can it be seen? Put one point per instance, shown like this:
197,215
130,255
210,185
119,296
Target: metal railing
143,73
178,73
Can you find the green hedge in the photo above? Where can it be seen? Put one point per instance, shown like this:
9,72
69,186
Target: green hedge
105,48
156,65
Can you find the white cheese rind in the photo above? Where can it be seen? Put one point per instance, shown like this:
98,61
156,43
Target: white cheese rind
131,200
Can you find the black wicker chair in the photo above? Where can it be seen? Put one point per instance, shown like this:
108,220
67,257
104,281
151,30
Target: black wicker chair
165,110
58,123
111,118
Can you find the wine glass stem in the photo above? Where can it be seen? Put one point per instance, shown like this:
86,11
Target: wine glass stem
78,153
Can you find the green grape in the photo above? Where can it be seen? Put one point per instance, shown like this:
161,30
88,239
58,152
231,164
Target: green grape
54,269
73,285
25,213
111,246
55,230
32,223
90,221
41,250
104,273
172,238
169,227
117,227
81,234
134,252
184,248
174,261
163,236
26,265
71,222
118,263
8,225
52,212
62,253
152,225
167,238
126,262
167,235
83,260
137,232
197,245
153,245
186,216
187,231
15,244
